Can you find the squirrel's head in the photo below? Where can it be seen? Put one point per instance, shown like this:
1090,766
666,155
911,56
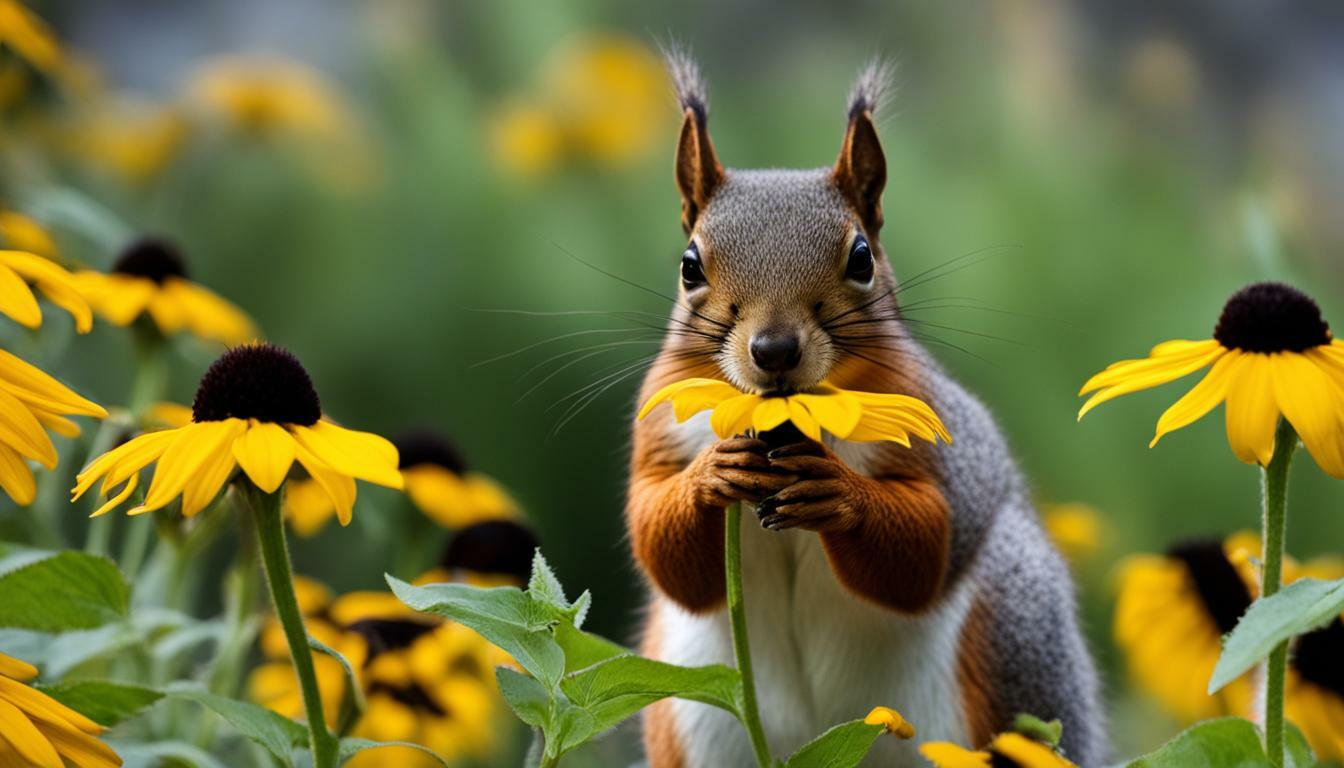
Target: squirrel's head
783,267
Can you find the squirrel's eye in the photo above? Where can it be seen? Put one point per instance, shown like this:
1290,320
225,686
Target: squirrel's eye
860,265
692,271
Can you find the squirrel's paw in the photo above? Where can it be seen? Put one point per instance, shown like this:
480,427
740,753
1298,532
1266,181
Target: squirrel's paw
818,500
737,469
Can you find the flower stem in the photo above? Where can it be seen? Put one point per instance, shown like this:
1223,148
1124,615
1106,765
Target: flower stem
737,616
1275,483
275,556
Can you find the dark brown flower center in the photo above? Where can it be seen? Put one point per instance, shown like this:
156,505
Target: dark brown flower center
257,381
1319,657
1220,587
153,258
500,547
425,446
1271,317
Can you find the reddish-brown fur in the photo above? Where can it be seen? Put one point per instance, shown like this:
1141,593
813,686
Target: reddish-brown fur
974,674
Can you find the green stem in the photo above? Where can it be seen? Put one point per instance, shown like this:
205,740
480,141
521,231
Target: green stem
275,556
1275,482
737,616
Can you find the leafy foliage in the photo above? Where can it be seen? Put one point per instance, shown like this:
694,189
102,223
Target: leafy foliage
104,702
60,591
1299,608
1225,743
843,746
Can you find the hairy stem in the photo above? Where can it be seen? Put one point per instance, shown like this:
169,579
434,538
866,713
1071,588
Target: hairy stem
275,556
1275,484
737,615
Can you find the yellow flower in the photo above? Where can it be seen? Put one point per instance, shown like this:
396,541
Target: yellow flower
1075,528
1171,615
22,233
1271,355
269,95
891,720
855,416
18,269
36,730
610,94
436,481
255,409
1007,750
150,278
27,35
31,402
424,680
131,138
526,140
164,415
493,553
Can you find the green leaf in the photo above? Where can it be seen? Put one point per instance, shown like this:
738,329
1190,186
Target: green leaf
161,753
843,746
352,746
584,649
505,616
528,698
544,586
1299,608
103,702
618,688
354,691
1229,742
57,592
1037,729
277,734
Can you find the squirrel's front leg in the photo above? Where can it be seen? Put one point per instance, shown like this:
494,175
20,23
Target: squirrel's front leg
887,539
676,515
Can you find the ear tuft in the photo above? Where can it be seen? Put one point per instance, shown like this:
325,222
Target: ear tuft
699,173
686,79
871,87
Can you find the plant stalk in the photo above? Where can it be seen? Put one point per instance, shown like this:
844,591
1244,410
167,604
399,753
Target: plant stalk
737,616
275,556
1275,487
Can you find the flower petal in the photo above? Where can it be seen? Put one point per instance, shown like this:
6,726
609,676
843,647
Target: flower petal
308,506
837,413
20,430
1166,355
339,487
127,489
118,298
358,454
123,461
1251,411
40,706
265,452
17,669
1311,402
204,485
802,419
1134,375
1201,398
16,298
770,413
733,416
55,283
190,452
26,739
31,385
208,315
16,478
690,396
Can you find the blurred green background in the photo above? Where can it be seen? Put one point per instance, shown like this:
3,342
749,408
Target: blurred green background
1120,169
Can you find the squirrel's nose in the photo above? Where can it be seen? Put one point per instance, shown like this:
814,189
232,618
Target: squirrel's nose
776,351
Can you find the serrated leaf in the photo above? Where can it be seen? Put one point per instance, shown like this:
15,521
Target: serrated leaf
505,616
104,702
1229,742
613,690
544,586
1299,608
579,610
353,746
58,592
843,746
276,733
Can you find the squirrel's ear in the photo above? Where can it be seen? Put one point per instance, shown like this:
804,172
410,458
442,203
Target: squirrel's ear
861,170
698,169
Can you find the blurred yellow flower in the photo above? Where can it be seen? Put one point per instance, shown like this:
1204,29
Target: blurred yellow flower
266,95
131,138
1271,355
436,481
19,269
1075,528
164,415
891,720
848,415
1171,615
1007,750
41,732
255,410
149,278
31,402
424,680
22,32
21,233
526,139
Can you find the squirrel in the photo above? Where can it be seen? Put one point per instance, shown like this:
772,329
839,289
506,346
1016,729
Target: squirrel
918,578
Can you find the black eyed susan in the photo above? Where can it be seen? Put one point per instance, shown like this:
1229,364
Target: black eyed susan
36,731
150,278
1315,692
1170,617
493,553
266,96
1007,750
255,410
848,415
437,481
423,680
31,402
1076,528
19,270
1271,355
22,233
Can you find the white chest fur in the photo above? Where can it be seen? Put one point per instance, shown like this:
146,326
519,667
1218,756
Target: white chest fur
821,654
